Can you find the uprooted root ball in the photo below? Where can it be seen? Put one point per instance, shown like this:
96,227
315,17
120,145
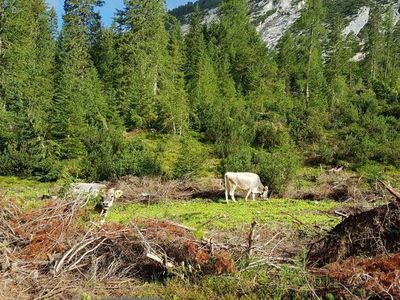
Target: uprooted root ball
369,233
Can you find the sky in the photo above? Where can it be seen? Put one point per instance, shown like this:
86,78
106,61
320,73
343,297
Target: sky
109,8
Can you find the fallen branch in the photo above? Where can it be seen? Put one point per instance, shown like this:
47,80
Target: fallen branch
158,259
391,190
251,239
341,214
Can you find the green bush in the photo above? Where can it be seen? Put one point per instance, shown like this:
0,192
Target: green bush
190,159
269,135
109,156
136,158
28,162
277,167
239,161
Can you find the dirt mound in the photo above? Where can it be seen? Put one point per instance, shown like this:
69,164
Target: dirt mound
377,276
153,189
369,233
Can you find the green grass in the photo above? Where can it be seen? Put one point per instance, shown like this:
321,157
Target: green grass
23,188
220,215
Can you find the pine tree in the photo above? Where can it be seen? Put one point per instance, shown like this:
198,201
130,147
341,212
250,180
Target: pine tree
80,105
142,54
338,66
103,54
26,74
373,46
172,102
239,39
287,62
310,47
389,46
201,76
195,48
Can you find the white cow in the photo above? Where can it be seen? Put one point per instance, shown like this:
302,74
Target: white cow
245,181
95,189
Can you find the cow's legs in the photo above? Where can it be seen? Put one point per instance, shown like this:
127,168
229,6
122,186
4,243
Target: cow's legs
248,193
227,188
254,197
232,193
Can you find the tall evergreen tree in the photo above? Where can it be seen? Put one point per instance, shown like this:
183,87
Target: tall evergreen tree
80,105
173,102
287,62
26,74
373,45
310,47
338,66
142,59
200,74
389,46
239,39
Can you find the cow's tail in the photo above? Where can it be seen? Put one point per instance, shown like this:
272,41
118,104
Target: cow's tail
226,181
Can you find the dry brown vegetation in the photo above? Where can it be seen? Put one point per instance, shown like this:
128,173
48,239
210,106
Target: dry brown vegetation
153,189
55,251
363,251
45,251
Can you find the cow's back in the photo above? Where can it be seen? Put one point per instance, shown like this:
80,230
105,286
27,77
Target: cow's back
88,188
244,180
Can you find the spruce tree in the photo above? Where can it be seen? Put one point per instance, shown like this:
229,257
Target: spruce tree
287,62
373,45
173,101
338,63
310,48
26,86
142,61
239,39
201,76
388,60
80,105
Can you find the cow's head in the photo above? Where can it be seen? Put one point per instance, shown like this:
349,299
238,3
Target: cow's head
109,198
264,194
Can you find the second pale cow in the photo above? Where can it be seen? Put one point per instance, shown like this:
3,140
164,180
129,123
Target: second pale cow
245,181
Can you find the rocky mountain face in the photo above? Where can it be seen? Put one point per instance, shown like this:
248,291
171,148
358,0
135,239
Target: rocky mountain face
273,17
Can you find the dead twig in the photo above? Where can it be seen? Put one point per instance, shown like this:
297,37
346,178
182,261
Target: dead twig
391,190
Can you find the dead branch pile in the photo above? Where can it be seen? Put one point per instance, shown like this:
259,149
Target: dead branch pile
48,245
377,276
340,186
153,189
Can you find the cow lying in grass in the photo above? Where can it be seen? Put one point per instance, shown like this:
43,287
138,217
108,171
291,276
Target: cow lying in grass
244,181
94,190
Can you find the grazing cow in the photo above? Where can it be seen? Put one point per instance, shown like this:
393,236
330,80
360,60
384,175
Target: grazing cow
95,189
245,181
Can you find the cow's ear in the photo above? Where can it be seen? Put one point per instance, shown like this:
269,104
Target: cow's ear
118,193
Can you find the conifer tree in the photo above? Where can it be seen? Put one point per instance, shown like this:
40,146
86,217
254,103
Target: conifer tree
80,105
201,76
287,62
338,67
389,46
142,54
172,103
195,47
26,73
374,43
310,47
239,39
